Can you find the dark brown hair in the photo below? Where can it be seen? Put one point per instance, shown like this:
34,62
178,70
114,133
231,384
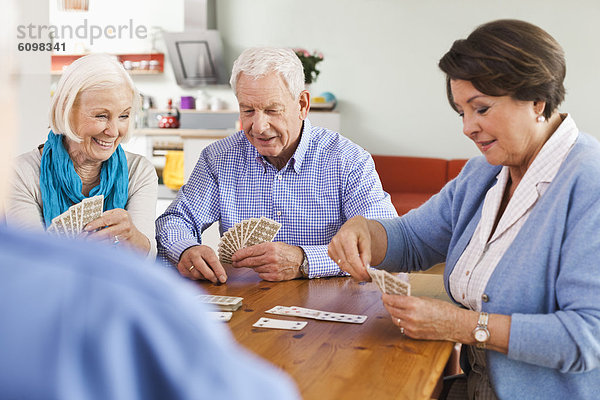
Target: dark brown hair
509,58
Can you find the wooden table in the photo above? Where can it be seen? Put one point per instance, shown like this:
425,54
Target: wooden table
333,360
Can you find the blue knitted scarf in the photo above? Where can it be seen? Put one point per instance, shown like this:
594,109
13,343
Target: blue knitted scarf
61,186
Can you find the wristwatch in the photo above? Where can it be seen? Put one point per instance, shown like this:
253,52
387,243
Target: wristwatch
481,332
304,265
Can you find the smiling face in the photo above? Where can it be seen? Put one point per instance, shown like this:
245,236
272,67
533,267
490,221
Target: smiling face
505,130
271,118
100,117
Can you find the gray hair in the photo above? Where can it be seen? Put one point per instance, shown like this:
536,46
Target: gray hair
94,71
260,61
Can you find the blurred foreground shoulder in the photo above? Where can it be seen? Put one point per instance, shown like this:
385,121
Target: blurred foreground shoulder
89,321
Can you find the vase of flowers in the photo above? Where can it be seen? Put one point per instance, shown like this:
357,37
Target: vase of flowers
309,62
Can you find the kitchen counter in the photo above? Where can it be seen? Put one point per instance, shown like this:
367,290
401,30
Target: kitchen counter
186,133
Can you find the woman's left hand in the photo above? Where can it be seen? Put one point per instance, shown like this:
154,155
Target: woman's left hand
116,226
422,317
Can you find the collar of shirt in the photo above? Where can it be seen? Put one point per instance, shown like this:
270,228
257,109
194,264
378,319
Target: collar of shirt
545,166
295,162
540,173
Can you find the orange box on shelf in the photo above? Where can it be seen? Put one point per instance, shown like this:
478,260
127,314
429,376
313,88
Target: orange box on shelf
135,63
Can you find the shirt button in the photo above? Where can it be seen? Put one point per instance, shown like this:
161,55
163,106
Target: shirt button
467,273
485,298
278,213
463,296
279,177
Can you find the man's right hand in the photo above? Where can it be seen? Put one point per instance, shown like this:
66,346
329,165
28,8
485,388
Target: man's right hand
206,264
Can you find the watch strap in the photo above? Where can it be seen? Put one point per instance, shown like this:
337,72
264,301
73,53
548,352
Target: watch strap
304,265
482,325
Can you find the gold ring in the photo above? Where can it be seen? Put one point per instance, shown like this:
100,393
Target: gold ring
191,268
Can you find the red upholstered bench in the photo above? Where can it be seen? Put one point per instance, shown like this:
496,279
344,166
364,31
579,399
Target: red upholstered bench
411,181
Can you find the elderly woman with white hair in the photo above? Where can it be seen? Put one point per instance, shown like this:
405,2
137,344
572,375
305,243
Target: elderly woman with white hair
92,112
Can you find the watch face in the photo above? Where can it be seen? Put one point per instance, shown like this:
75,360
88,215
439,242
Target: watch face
481,335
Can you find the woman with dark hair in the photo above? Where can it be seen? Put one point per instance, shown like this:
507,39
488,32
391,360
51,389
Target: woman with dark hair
517,229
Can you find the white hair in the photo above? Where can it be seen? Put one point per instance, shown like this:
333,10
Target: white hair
260,61
91,72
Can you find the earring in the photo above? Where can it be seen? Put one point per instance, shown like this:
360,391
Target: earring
540,118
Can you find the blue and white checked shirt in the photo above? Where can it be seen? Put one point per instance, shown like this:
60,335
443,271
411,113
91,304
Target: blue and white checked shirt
328,180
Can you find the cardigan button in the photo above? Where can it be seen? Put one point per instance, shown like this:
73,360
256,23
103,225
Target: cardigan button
485,298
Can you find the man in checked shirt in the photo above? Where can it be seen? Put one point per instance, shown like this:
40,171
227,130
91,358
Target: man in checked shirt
309,179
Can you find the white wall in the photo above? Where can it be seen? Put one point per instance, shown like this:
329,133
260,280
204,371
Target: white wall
381,59
33,94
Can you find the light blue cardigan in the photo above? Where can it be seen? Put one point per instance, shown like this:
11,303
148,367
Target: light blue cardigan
548,280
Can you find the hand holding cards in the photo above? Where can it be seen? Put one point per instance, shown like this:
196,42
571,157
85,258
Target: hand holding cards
247,233
71,222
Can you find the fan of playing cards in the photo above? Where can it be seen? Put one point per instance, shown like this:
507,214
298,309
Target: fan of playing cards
388,283
247,233
71,222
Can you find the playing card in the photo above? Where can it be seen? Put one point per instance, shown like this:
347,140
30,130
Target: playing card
317,314
228,240
293,311
252,222
396,285
264,231
225,258
225,245
237,235
52,230
79,211
68,224
279,324
73,213
58,226
224,252
225,303
241,232
380,281
388,283
337,317
92,208
377,277
224,316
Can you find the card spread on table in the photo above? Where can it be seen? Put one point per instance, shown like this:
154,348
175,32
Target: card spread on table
388,283
247,233
223,316
317,314
279,324
71,222
224,303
